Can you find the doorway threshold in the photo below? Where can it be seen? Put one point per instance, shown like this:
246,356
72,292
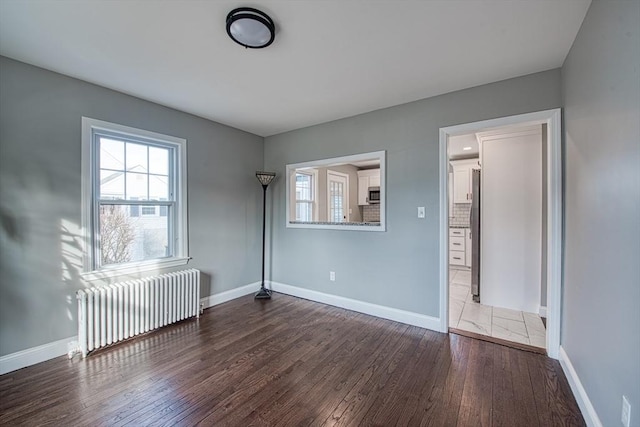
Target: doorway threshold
499,341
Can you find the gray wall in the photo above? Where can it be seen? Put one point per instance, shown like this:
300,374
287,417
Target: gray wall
397,268
40,118
601,314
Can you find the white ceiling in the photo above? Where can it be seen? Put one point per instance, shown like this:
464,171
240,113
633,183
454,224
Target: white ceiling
458,143
330,59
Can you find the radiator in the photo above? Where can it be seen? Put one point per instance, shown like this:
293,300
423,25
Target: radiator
119,311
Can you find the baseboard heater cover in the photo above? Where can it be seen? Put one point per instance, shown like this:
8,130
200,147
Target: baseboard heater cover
119,311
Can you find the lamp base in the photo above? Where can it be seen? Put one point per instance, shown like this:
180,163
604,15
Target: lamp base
263,293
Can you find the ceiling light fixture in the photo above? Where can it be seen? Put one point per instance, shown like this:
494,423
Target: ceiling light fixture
250,27
466,148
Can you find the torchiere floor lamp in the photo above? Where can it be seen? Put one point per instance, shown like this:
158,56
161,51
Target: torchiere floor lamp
265,179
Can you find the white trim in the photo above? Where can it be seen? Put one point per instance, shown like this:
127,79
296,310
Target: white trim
588,411
552,118
542,311
31,356
229,295
139,267
313,173
380,227
554,232
397,315
179,231
290,169
444,232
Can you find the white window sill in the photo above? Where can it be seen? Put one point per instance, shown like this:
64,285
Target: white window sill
133,268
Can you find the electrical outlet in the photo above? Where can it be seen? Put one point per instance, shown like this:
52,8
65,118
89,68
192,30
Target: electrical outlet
420,211
626,412
332,276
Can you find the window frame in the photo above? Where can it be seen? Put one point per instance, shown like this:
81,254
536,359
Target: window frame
313,173
178,226
313,178
335,161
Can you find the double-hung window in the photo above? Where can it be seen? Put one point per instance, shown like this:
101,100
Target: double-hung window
134,198
305,196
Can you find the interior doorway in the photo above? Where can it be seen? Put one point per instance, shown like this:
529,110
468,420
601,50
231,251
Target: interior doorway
496,288
460,272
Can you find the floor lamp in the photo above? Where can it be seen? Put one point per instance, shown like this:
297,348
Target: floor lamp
265,179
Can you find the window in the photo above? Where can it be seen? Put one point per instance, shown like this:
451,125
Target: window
134,198
304,196
336,203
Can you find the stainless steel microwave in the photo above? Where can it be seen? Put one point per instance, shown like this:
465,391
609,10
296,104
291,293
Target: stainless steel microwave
374,195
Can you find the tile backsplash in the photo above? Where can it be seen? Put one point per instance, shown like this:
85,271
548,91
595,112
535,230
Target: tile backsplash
371,213
460,215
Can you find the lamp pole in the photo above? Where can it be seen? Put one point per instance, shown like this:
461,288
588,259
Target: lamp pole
265,179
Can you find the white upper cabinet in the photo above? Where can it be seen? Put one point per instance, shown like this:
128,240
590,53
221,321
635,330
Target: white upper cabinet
462,182
374,180
367,178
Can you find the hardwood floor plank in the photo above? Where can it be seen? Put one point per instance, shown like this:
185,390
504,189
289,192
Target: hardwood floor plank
290,361
244,360
358,365
475,408
301,402
331,342
357,401
553,398
398,408
452,386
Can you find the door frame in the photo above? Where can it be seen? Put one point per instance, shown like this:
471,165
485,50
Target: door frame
346,205
552,118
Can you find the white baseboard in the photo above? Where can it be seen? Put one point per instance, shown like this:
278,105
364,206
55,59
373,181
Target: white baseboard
41,353
31,356
229,295
402,316
587,409
542,311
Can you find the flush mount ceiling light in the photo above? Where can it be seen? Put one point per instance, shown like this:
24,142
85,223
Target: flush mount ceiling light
466,148
250,27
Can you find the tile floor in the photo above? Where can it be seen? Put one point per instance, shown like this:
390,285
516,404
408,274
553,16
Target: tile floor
516,326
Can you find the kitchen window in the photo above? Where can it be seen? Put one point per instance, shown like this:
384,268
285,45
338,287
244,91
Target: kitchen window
305,196
134,199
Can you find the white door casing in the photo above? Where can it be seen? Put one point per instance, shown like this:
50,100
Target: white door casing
553,213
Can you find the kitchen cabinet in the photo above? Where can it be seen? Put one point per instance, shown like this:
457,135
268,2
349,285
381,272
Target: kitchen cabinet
367,178
460,247
457,246
462,181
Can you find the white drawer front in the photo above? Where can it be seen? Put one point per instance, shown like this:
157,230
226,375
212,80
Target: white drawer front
456,243
455,232
456,258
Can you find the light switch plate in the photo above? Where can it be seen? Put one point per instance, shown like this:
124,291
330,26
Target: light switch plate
420,211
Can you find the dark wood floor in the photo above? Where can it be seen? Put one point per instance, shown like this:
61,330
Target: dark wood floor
290,361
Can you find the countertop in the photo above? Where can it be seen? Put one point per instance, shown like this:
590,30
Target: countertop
335,223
